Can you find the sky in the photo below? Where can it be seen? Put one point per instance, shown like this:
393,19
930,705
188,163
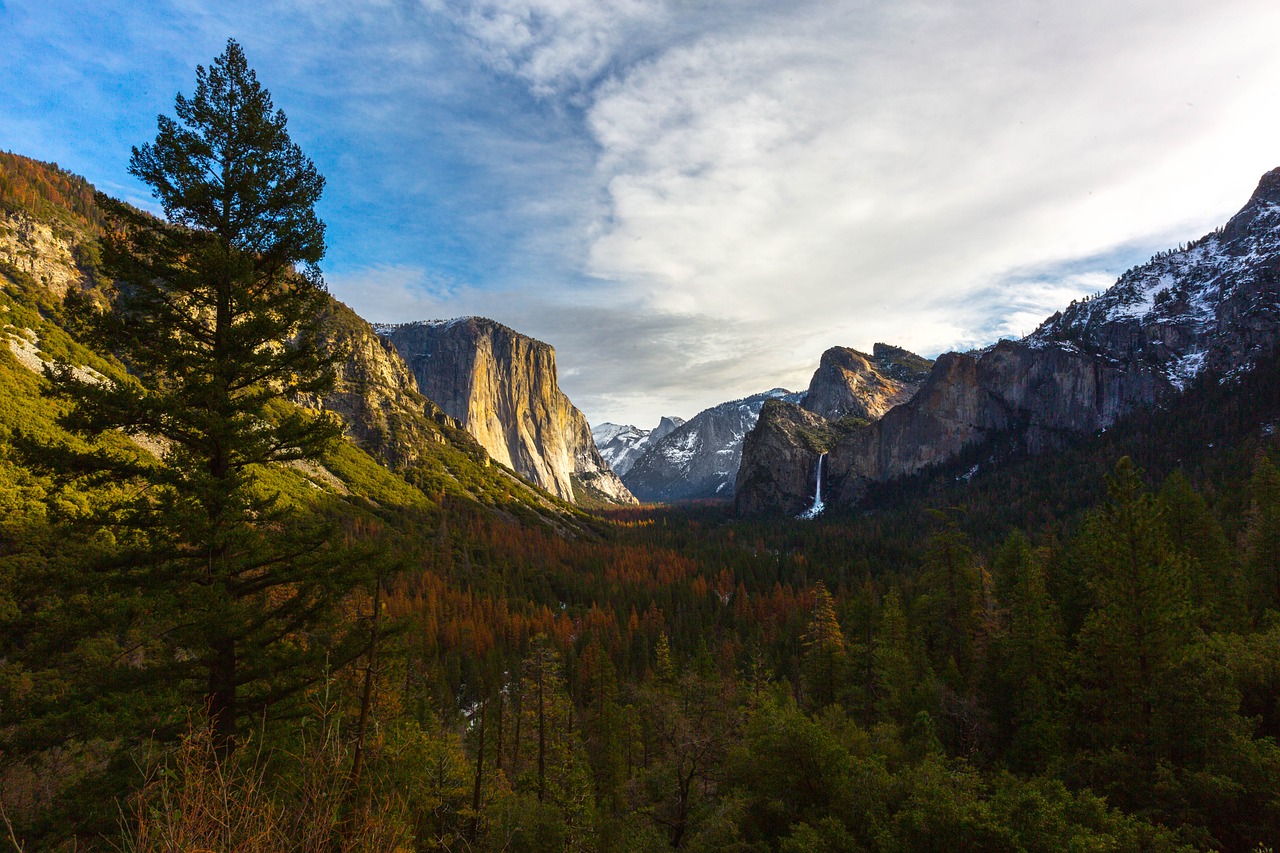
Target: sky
692,199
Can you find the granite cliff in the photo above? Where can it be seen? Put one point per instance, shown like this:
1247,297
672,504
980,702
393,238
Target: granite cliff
377,397
849,383
502,387
849,390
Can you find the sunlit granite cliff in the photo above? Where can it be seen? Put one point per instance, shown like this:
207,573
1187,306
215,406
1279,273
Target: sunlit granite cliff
502,387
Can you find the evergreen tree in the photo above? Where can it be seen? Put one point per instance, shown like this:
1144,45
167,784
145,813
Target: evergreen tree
1212,570
215,314
825,651
1262,552
951,606
894,672
1030,657
548,749
1135,636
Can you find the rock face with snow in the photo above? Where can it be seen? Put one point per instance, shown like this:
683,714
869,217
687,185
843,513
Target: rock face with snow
622,444
699,459
1213,305
503,388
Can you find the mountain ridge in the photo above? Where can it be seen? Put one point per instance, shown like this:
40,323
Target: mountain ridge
1211,305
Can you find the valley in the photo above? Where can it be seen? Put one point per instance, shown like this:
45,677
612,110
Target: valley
276,578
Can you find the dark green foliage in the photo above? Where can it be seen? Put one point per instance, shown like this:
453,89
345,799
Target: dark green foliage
1262,548
1069,662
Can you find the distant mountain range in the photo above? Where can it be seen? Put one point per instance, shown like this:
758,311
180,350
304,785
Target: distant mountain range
622,444
699,459
487,392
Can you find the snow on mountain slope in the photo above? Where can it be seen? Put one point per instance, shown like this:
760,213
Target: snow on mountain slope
1211,305
622,444
700,458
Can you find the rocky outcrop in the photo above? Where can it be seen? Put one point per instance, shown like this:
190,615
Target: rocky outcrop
1212,305
849,383
1043,394
622,444
502,387
699,459
850,389
377,397
779,459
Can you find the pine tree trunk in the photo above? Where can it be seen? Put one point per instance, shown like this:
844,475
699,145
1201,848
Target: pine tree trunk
222,694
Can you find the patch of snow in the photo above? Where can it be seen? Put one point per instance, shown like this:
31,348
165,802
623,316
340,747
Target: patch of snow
1187,368
385,329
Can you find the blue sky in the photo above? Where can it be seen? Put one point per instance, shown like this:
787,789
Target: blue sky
690,199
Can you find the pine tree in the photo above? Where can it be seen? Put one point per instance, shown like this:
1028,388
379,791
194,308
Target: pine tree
894,673
1141,623
825,651
951,606
1213,574
215,314
1030,656
1262,538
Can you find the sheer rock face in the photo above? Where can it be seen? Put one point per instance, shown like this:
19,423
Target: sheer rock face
779,460
849,383
1043,394
848,390
502,387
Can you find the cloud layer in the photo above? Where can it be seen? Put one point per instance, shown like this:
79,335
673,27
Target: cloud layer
691,200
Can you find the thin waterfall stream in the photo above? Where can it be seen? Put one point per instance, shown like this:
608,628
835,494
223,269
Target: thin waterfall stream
818,506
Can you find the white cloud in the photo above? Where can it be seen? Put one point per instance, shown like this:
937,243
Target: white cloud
864,172
776,180
556,46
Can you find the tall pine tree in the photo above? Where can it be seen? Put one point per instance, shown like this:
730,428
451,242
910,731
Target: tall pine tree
215,312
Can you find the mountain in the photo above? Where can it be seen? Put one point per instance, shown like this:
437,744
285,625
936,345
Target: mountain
853,384
49,230
1212,305
699,459
502,387
622,444
850,389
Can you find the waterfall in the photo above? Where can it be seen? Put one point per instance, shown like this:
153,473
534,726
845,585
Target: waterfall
818,506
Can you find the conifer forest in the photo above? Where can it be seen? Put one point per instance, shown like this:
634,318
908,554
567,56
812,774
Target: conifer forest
248,604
